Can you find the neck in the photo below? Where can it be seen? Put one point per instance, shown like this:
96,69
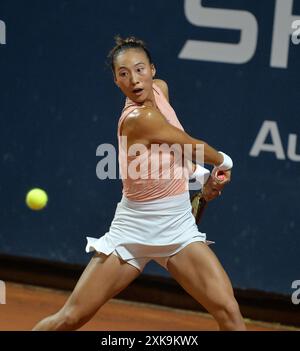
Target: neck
150,101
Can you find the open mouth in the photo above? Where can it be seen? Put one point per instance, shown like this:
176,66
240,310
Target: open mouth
138,91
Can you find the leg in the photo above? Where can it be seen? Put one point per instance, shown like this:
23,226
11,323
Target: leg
199,272
103,278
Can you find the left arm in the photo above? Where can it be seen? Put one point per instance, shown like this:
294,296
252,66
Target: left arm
200,173
165,89
201,170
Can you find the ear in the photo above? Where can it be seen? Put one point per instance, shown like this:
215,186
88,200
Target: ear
115,80
153,70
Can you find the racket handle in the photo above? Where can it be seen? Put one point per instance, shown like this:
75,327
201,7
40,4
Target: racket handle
201,209
198,206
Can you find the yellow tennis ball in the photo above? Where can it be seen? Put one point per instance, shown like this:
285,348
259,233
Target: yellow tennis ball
36,199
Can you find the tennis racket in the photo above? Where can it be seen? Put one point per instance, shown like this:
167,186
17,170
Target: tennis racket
215,183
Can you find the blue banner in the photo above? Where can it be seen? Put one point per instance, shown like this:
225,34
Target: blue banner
233,72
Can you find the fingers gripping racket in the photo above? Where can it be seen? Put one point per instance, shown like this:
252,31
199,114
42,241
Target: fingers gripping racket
214,185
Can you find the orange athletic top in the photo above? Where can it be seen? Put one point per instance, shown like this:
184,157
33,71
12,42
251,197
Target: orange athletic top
156,176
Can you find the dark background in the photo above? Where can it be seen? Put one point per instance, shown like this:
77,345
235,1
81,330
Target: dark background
58,102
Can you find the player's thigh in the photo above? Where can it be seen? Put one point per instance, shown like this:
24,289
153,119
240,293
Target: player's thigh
103,278
199,272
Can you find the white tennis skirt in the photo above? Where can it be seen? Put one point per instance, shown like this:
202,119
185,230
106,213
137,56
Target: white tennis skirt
149,230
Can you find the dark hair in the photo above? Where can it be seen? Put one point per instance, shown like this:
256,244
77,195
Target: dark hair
125,44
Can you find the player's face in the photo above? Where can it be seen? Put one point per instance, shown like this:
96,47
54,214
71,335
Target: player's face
134,75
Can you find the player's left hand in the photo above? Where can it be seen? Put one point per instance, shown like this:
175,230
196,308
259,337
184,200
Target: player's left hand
227,175
213,188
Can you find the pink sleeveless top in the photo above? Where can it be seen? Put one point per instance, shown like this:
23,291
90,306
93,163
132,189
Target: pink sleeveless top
166,177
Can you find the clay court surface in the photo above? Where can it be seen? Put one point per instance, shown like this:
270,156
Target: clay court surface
27,304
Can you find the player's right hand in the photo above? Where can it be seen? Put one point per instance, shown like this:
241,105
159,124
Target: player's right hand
210,190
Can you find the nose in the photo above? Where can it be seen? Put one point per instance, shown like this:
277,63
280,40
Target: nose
134,78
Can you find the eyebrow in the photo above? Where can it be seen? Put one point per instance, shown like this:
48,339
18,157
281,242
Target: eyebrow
135,65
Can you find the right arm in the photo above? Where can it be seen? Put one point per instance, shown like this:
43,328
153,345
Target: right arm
149,125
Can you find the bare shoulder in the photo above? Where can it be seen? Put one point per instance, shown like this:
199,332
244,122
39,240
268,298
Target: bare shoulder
147,125
163,87
143,117
145,114
142,122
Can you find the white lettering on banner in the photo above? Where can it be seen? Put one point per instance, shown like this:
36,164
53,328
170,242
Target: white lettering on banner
296,294
243,21
246,23
292,145
296,25
260,145
270,127
281,33
2,33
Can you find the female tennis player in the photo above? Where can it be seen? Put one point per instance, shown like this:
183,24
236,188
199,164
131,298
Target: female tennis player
153,220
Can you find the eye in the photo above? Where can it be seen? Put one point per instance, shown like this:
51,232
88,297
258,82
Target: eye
140,69
123,74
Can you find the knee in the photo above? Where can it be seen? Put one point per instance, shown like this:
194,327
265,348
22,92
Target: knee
71,318
229,316
232,309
